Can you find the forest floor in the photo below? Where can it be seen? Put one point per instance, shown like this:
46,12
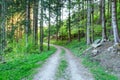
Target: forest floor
107,55
63,66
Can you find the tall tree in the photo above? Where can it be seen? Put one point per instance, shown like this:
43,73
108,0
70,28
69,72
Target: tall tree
57,19
114,22
92,21
79,16
69,21
3,26
35,21
3,31
0,29
27,20
41,25
49,24
88,21
104,35
100,8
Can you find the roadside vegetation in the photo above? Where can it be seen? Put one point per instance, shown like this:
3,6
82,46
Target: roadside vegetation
20,64
75,24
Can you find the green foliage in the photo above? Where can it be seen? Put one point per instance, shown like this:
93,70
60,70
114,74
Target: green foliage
20,46
59,42
62,67
77,47
22,65
97,30
63,31
21,59
98,72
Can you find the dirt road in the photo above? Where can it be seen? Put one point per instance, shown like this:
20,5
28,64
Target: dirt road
76,70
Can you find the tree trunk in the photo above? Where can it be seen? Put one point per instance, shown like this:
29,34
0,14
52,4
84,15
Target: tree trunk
29,27
79,16
0,30
69,23
88,21
35,22
79,35
108,7
3,31
27,20
49,25
3,14
92,22
114,22
41,27
100,7
57,25
104,36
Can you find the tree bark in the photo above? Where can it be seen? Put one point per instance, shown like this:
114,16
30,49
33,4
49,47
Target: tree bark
49,25
104,35
79,16
35,22
88,21
69,22
3,31
57,25
92,22
27,20
0,30
114,22
100,7
41,27
3,27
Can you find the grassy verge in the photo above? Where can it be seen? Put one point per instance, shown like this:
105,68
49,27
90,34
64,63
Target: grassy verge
97,70
19,66
62,67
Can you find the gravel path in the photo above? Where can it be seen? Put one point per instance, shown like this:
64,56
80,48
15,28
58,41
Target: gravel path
75,69
47,72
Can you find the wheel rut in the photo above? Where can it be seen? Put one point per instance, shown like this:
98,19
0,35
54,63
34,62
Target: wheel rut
74,71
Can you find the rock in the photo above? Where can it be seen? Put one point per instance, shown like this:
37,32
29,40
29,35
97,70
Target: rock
117,46
106,71
112,49
118,53
96,43
95,52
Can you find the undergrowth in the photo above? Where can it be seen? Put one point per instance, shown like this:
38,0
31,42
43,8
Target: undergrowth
21,61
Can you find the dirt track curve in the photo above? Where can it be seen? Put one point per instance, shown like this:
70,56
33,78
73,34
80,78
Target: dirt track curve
76,70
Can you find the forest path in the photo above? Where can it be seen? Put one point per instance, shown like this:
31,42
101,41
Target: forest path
48,71
75,69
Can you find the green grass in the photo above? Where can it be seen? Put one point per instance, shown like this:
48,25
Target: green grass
22,65
96,69
62,67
